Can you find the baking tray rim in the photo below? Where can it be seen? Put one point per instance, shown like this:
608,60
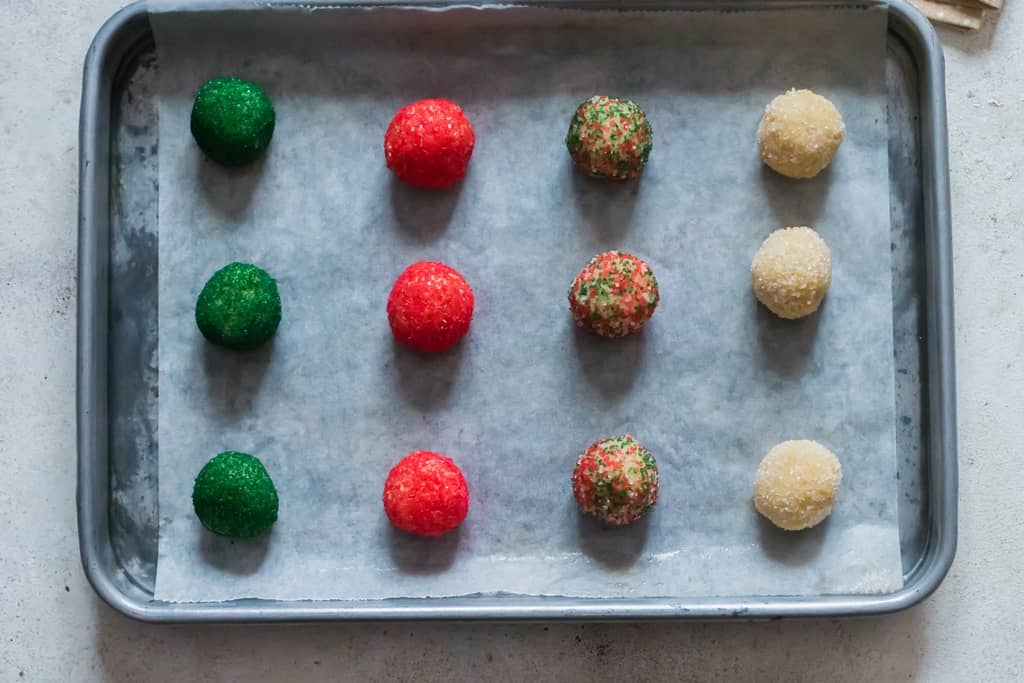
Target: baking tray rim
127,27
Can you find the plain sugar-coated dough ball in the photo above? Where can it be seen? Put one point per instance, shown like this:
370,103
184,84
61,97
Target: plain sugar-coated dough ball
234,496
791,272
796,484
800,132
425,494
614,295
239,307
428,143
616,480
232,120
609,138
430,307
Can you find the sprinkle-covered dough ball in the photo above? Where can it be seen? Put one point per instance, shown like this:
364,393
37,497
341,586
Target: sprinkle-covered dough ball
610,138
791,272
232,120
616,480
239,307
796,484
615,294
425,494
234,496
800,132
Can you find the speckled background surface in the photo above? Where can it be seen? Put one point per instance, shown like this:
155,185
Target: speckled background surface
711,383
966,631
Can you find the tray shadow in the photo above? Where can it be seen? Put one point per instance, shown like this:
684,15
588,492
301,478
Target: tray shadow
229,189
605,207
791,548
423,214
426,379
422,555
234,378
610,365
235,556
614,547
787,345
796,202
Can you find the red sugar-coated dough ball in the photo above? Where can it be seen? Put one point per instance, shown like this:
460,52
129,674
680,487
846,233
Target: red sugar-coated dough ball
426,494
428,143
430,306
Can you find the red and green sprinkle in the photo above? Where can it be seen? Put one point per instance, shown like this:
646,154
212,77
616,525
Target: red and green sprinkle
616,480
615,294
610,138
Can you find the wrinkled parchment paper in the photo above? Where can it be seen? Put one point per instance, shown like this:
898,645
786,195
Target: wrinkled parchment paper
709,386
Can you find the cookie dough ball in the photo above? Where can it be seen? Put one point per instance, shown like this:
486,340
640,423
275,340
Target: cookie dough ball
800,132
616,480
614,295
796,484
425,494
428,143
430,307
791,272
610,138
232,120
234,496
239,307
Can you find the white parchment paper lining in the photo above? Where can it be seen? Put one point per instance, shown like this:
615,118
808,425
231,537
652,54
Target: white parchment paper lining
709,386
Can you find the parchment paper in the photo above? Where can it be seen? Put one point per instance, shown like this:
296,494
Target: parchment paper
709,386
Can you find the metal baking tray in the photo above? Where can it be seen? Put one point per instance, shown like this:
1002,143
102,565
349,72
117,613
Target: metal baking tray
117,344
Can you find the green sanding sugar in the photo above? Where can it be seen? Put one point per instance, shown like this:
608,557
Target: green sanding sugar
239,307
232,120
234,496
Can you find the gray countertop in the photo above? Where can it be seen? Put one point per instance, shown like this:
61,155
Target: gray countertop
56,629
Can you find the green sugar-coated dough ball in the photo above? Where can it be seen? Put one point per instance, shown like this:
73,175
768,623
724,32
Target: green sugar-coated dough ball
239,307
234,496
232,120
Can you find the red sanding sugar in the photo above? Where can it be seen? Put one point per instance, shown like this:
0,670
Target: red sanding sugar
426,494
430,306
428,143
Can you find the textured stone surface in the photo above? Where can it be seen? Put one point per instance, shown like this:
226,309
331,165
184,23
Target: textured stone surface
54,628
